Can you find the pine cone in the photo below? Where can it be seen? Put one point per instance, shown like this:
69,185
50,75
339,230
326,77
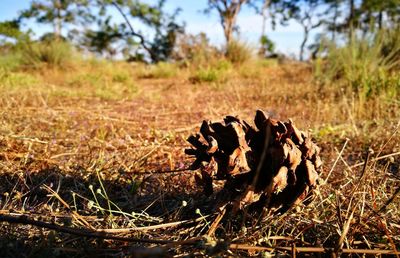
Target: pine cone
274,165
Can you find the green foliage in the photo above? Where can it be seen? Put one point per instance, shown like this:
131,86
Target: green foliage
16,80
267,46
10,61
369,65
58,13
376,13
206,75
217,72
238,52
53,53
11,29
158,71
103,40
116,36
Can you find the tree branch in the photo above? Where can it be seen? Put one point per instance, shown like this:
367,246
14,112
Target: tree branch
142,42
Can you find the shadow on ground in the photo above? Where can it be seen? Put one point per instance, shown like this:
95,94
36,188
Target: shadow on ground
136,200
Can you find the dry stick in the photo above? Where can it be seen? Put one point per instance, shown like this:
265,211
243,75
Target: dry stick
294,250
89,233
336,161
76,215
390,138
310,249
345,230
389,236
367,159
378,158
65,154
346,226
24,138
338,209
187,169
146,228
383,208
217,220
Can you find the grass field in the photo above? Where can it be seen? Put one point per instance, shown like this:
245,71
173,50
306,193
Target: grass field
84,147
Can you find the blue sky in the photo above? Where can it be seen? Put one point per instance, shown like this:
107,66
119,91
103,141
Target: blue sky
287,39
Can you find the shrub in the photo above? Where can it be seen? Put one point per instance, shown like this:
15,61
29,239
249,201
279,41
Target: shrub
52,53
195,50
367,65
158,71
238,52
217,71
205,75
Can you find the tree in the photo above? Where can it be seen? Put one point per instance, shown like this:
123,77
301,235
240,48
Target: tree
11,29
103,40
278,11
333,13
59,13
351,19
306,15
374,14
11,36
267,46
228,11
164,26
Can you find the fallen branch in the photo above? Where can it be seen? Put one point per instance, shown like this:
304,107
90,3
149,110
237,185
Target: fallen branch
89,233
378,158
312,249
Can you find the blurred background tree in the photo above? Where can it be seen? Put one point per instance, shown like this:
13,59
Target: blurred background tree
92,25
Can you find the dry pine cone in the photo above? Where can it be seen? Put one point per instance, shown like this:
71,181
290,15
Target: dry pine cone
273,166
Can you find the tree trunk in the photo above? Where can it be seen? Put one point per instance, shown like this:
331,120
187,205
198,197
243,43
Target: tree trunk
351,20
57,22
228,18
228,30
264,25
380,17
336,14
303,43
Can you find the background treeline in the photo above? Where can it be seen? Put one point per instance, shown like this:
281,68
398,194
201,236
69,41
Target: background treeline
357,41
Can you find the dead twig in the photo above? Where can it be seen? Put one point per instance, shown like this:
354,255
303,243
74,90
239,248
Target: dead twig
89,233
217,220
146,228
378,158
311,249
336,161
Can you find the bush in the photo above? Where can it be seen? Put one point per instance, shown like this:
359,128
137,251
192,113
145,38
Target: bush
158,71
367,65
195,50
205,75
52,53
216,72
238,52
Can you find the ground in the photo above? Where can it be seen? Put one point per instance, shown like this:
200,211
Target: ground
87,148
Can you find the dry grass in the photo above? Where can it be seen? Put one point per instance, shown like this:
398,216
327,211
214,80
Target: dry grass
78,148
